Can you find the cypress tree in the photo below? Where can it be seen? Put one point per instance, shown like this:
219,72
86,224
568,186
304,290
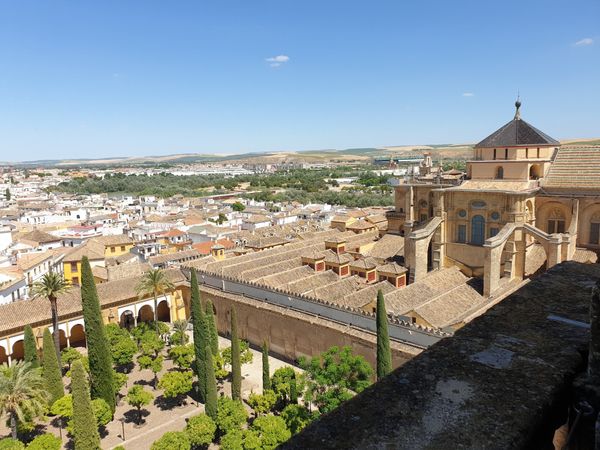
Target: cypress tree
265,367
293,390
236,366
85,428
51,371
29,347
100,359
384,355
211,386
212,328
200,337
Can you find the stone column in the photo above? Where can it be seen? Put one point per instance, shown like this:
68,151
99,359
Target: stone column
554,250
491,270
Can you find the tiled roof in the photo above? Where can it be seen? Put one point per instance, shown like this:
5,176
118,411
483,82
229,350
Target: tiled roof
27,261
93,250
387,247
447,309
365,296
15,315
177,256
574,168
516,133
436,283
39,237
335,292
393,268
116,239
308,284
204,248
363,264
337,258
360,225
288,276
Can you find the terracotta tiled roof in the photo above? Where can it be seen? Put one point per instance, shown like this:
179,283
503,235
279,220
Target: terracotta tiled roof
177,256
574,168
204,247
436,283
335,258
392,268
39,237
93,250
363,264
27,261
14,316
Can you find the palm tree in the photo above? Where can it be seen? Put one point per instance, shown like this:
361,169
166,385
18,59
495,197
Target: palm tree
154,282
22,393
181,326
51,286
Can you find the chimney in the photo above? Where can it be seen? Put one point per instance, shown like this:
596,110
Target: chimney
218,252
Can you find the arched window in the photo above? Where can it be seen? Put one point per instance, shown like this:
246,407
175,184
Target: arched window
500,173
477,230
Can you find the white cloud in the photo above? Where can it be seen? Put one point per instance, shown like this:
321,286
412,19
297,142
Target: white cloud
276,61
279,59
468,94
583,42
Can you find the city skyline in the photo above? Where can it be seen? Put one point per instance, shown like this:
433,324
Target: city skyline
139,79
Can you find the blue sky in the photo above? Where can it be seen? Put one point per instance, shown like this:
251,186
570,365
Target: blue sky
123,78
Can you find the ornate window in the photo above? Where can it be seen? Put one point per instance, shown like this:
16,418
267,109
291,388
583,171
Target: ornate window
462,213
478,204
556,222
495,215
477,230
494,231
462,234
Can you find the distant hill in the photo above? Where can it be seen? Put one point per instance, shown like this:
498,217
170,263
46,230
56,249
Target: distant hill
438,151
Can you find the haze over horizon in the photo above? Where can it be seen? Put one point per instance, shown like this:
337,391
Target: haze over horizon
121,79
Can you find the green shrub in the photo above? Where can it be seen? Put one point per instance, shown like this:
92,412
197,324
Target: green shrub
11,444
231,414
200,430
172,440
45,441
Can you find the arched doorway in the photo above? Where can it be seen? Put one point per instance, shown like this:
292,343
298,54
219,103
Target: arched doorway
477,230
18,352
164,312
62,337
127,320
3,356
499,173
535,172
77,338
145,314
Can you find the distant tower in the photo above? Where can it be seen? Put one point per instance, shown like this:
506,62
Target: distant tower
426,165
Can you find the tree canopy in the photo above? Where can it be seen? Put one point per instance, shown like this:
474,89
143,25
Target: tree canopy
334,376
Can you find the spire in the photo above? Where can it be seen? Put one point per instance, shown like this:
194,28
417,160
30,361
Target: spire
518,106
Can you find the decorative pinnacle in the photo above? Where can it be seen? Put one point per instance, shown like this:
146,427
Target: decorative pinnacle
518,106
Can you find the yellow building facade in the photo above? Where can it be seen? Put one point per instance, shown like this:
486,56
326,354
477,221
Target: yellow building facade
522,191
